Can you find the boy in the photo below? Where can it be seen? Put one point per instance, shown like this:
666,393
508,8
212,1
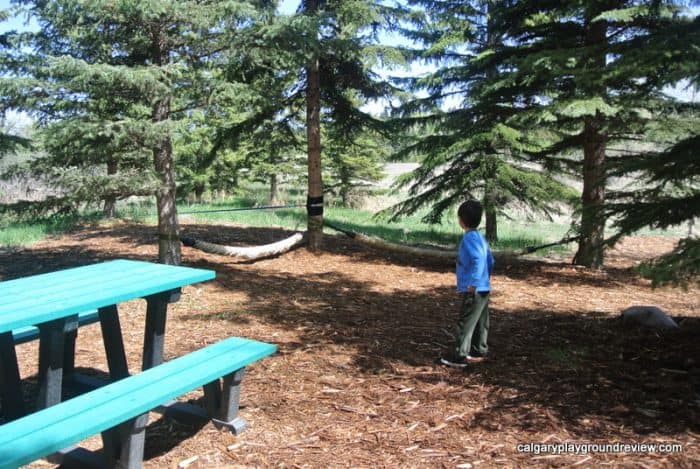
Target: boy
474,266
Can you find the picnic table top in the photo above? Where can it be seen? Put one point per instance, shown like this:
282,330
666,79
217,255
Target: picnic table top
45,297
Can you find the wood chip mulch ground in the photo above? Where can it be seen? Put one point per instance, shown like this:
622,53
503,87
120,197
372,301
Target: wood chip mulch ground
355,382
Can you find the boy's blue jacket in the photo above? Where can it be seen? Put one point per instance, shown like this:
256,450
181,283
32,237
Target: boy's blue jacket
474,262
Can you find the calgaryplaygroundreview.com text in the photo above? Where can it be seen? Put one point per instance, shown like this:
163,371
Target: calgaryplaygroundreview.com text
587,448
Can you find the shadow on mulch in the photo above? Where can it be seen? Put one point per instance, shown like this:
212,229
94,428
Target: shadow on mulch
587,370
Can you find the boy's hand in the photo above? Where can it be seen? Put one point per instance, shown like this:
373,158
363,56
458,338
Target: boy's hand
471,289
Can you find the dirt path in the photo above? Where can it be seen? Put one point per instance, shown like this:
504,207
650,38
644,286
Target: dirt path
355,381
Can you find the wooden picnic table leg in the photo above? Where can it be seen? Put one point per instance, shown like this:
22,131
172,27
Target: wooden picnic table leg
51,355
10,383
154,336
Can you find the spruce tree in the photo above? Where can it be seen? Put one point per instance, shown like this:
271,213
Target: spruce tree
273,155
332,45
9,142
339,76
118,75
590,73
666,188
353,163
462,121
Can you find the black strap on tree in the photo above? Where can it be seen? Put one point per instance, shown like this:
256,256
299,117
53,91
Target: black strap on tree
168,237
314,206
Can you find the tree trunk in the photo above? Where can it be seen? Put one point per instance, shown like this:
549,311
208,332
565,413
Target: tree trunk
590,249
198,193
313,133
490,191
344,186
110,201
274,190
491,220
168,229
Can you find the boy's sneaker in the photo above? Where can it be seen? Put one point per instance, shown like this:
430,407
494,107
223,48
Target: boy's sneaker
455,362
475,358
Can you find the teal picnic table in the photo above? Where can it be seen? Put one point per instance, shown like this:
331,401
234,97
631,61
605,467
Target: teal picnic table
52,302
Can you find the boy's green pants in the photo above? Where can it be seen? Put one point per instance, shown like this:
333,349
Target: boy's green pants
473,324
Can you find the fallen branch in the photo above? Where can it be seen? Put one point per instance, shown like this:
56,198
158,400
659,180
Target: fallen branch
247,252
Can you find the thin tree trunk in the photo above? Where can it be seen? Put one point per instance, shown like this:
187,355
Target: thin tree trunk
344,186
198,193
313,133
274,190
110,201
490,191
491,216
168,229
590,249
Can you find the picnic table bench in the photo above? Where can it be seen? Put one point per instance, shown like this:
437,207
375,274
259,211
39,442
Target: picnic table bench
52,306
120,409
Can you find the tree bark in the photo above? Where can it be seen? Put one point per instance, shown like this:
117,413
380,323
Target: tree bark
490,191
590,248
491,217
274,190
313,134
199,193
344,187
168,228
110,202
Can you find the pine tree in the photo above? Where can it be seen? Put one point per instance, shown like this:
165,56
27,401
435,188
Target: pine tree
590,74
332,45
273,155
116,78
9,143
666,192
339,76
467,143
353,163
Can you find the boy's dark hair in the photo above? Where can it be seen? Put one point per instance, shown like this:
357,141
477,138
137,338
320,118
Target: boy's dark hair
470,213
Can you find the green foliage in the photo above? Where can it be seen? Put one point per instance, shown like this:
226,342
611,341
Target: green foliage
112,82
589,76
679,267
671,196
352,163
267,129
468,143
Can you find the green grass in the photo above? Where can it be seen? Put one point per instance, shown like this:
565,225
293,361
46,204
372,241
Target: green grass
22,233
513,234
410,230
